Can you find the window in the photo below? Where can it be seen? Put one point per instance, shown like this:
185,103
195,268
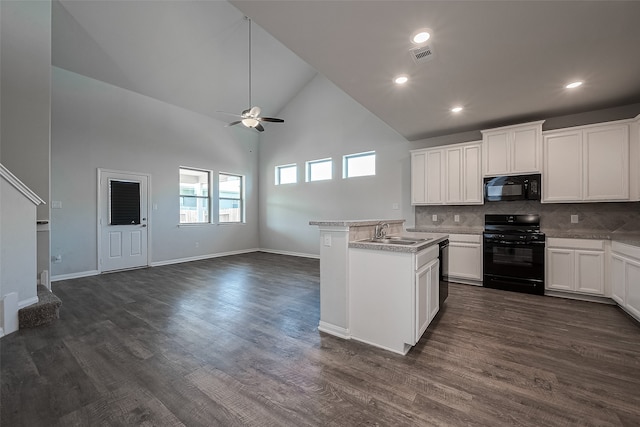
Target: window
361,164
318,170
286,174
195,205
231,195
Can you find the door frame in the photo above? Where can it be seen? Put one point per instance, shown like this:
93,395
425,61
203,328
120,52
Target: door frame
104,171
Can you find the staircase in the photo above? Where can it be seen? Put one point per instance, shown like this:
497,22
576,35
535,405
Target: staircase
45,311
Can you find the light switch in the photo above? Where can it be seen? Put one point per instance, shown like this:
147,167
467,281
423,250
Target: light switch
56,204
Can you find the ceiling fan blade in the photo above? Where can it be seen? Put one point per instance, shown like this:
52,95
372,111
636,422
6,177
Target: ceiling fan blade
270,119
233,123
246,113
259,128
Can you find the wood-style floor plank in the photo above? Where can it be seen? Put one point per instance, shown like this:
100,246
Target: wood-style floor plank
233,341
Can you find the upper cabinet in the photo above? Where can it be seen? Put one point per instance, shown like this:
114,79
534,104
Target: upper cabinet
512,150
587,164
447,175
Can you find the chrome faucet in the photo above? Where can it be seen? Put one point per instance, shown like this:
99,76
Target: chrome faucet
381,230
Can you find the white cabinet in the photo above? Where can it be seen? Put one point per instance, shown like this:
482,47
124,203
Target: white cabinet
625,277
575,265
512,150
393,296
588,163
447,175
465,258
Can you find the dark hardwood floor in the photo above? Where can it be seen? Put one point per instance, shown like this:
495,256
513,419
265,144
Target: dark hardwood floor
234,342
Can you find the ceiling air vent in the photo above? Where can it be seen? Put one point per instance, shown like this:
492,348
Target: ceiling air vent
422,54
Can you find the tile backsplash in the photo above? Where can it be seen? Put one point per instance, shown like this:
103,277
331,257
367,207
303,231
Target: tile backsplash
592,217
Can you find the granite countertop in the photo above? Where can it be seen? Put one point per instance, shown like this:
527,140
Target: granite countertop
433,239
632,239
452,230
355,223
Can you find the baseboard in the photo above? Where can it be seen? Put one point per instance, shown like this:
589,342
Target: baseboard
78,275
463,281
202,257
334,330
580,297
298,254
26,302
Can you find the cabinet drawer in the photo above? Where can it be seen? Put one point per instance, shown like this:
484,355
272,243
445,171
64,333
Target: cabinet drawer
465,238
626,250
588,244
426,256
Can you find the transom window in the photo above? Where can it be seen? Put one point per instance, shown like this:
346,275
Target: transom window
319,170
195,199
231,198
287,174
360,164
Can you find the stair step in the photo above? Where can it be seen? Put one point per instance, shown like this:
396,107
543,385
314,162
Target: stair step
45,311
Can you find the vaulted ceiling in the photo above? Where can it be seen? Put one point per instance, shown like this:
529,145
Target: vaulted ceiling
504,62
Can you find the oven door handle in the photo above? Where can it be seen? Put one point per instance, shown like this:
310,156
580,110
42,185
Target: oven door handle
515,243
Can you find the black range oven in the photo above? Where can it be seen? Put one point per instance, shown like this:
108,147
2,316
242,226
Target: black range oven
513,249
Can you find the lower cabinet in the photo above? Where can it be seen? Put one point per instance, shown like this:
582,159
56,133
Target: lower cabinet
393,296
625,277
575,265
465,258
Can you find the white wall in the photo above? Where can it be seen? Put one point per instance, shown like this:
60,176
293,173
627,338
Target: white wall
322,121
97,125
18,244
25,56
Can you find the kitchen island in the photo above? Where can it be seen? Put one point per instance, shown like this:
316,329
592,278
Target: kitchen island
380,291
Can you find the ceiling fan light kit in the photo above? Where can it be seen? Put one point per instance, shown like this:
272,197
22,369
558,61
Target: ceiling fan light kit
250,117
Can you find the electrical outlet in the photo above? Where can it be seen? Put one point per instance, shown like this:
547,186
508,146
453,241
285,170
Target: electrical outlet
56,204
327,239
574,219
434,217
395,206
456,218
197,244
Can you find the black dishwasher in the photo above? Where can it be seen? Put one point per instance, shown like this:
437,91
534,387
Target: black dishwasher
444,270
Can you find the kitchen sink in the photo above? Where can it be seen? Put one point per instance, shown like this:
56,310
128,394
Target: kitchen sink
396,241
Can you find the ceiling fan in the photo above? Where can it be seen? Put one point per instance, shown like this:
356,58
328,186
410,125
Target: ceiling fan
251,116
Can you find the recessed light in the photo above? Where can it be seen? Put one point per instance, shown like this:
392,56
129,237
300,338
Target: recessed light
456,109
400,80
421,36
573,85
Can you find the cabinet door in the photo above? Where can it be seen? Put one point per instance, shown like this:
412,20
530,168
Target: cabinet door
525,149
632,276
453,181
465,261
434,289
589,272
423,279
434,177
418,178
562,167
496,153
472,172
560,269
606,163
617,279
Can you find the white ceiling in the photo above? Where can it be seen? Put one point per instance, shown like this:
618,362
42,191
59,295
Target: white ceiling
504,61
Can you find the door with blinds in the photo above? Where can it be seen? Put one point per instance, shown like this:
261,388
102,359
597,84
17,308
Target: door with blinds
122,220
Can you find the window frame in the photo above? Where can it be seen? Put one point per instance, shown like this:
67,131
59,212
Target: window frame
241,200
347,157
309,164
208,198
278,173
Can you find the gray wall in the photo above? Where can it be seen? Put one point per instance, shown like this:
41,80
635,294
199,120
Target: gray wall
25,55
320,122
96,125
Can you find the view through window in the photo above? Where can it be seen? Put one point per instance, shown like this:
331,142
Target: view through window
231,195
195,206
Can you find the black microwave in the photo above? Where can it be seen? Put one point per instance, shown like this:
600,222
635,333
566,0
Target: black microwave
517,187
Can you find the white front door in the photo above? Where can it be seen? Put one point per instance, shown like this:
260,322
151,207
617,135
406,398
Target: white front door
122,220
